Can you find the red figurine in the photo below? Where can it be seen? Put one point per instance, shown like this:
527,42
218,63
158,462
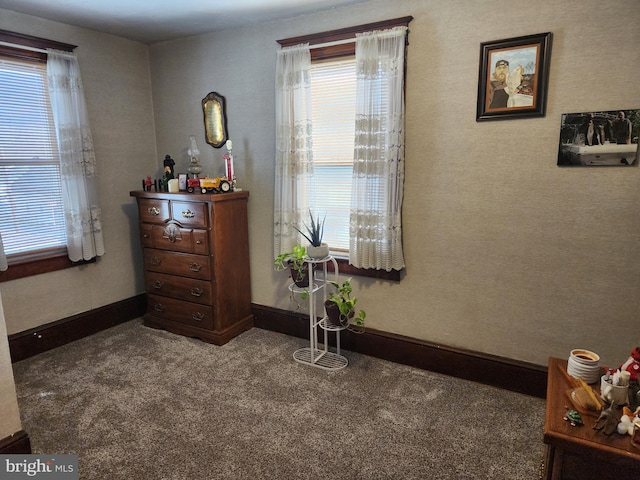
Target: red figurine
632,365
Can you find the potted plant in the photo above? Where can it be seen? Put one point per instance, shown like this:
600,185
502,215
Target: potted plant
315,232
341,307
295,261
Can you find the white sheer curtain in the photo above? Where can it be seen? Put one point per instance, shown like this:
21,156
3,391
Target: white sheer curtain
77,158
294,160
3,257
378,169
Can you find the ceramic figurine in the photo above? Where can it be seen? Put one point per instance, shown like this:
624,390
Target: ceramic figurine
168,167
628,420
632,365
573,417
607,422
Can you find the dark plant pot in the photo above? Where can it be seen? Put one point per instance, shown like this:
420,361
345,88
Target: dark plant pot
333,315
300,277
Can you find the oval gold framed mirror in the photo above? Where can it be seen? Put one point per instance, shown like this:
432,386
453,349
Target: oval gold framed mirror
215,119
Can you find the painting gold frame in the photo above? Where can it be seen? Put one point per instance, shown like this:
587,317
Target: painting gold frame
215,119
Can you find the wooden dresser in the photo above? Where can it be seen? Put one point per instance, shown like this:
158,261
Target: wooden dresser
196,263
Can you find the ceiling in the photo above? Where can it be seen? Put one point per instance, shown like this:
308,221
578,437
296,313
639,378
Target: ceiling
151,21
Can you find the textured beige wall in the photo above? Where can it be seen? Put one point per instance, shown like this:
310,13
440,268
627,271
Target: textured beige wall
9,414
115,75
506,253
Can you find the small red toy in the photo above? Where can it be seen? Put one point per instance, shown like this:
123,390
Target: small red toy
632,365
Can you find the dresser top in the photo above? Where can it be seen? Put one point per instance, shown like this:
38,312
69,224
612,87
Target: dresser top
192,197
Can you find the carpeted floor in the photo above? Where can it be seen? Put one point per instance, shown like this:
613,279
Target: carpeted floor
137,403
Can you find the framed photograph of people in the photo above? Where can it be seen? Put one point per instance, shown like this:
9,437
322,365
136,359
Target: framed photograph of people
182,181
601,138
513,77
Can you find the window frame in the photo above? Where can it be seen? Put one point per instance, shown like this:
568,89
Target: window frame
48,260
343,50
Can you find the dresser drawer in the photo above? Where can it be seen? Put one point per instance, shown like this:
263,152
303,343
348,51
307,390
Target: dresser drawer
182,288
174,263
153,210
179,311
193,214
172,237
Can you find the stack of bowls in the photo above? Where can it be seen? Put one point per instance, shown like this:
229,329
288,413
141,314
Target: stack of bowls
584,364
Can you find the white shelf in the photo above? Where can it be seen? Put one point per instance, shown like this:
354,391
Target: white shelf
296,289
314,355
320,358
331,327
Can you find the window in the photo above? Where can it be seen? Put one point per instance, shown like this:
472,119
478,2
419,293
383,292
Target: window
30,190
333,116
32,222
333,94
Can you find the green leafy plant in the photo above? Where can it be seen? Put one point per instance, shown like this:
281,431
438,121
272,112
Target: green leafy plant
315,231
346,304
294,260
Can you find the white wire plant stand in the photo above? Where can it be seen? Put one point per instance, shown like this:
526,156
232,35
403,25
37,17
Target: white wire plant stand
319,354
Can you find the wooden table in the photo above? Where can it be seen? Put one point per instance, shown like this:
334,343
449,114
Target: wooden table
582,453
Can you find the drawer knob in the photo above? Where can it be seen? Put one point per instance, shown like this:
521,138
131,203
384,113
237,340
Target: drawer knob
154,210
197,316
197,292
155,261
188,213
158,307
146,235
195,267
158,284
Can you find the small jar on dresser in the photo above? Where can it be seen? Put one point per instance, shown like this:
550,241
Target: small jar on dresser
196,263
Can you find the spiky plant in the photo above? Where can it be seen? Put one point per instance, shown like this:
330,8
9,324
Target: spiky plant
315,231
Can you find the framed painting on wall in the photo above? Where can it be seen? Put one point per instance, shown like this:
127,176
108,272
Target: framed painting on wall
513,77
604,138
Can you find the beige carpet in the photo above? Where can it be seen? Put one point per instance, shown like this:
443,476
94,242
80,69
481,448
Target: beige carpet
137,403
